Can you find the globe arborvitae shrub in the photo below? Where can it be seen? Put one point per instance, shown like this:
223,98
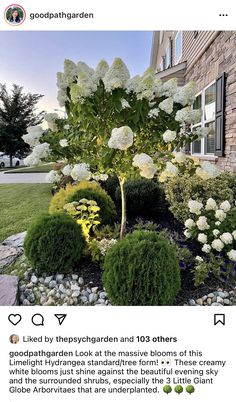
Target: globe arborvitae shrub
54,243
142,270
145,198
89,190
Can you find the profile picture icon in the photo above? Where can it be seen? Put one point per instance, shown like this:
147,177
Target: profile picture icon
15,14
14,339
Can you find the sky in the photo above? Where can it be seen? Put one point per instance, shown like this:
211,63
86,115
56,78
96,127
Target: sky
32,59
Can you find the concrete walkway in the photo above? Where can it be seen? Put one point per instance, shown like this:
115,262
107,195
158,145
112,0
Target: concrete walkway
22,178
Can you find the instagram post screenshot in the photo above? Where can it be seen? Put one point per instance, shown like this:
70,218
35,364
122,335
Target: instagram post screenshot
117,201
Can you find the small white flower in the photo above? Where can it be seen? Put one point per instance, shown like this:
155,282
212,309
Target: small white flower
206,248
225,206
63,143
195,207
199,259
211,205
100,177
125,104
234,234
217,244
216,232
169,136
189,223
232,255
227,238
217,223
153,113
187,234
202,238
220,215
202,223
81,172
121,138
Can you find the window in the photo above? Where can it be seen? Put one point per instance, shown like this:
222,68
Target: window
162,65
178,47
168,56
205,101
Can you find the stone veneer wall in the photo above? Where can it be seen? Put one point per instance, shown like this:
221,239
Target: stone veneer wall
220,57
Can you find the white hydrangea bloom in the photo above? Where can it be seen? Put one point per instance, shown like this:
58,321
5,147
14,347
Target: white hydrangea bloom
225,206
70,70
211,205
169,136
202,238
195,207
170,87
157,88
216,232
148,171
117,75
232,255
62,97
179,157
67,170
234,234
186,95
66,126
52,177
207,171
50,119
61,81
125,104
101,70
146,85
40,151
81,172
189,223
100,177
141,160
188,115
34,133
133,84
86,84
63,143
217,244
206,248
121,138
199,259
220,215
218,223
227,238
82,67
202,223
187,234
171,169
167,105
153,113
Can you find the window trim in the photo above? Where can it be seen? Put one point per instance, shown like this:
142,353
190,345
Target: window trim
203,123
181,54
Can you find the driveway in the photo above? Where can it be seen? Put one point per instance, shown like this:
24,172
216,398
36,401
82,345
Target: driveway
22,178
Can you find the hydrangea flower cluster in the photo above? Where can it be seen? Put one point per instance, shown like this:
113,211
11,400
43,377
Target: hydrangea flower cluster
50,118
34,133
53,177
121,138
81,171
40,151
146,165
213,226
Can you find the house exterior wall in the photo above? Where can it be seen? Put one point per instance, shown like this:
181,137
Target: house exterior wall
218,58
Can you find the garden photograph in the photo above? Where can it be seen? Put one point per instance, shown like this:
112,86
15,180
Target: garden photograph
118,169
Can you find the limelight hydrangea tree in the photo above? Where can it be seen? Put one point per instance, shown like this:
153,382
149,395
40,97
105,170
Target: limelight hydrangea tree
116,125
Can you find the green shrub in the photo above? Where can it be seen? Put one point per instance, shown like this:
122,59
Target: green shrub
89,190
142,269
181,188
145,198
107,207
110,185
54,243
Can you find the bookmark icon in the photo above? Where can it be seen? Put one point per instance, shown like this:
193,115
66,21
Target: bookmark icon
60,317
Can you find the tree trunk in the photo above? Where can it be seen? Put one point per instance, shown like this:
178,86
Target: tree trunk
123,208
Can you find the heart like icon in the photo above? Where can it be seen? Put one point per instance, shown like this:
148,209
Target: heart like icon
14,318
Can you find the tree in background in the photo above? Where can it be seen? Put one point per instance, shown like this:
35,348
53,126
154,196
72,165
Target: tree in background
17,112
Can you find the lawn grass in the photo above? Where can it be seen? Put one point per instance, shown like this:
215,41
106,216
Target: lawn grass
34,169
20,204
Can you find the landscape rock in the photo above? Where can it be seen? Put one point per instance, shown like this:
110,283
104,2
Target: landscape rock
8,255
15,240
9,290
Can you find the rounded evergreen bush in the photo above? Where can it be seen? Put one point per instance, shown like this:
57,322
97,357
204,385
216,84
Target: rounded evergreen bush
54,243
145,198
89,190
142,270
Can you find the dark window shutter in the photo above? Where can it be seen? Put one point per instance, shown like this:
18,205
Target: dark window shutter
220,116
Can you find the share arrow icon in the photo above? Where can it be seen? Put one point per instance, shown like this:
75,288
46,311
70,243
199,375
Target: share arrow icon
60,317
